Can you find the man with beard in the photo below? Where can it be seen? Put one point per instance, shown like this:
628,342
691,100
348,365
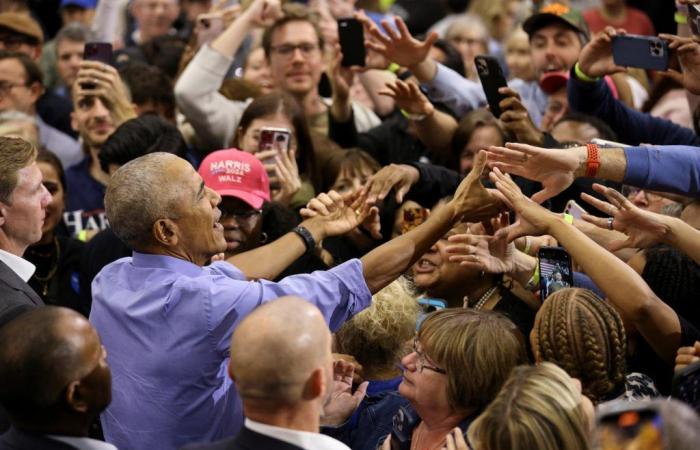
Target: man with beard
100,105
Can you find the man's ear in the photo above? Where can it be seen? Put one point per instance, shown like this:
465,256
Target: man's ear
77,397
165,232
36,89
316,385
3,213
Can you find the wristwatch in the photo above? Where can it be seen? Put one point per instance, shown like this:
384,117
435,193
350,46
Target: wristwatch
305,236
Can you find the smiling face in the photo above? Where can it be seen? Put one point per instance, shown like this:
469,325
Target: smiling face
200,235
23,216
554,48
296,61
92,119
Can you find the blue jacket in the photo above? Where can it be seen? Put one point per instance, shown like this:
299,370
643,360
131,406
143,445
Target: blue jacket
631,126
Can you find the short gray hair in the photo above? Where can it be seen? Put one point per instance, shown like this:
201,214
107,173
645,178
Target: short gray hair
467,22
139,194
74,31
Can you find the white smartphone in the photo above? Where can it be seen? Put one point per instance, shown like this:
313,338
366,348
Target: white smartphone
609,144
574,209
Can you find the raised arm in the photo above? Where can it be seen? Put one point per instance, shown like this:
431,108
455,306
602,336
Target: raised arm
625,289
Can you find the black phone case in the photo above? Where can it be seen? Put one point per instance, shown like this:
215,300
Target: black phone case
98,51
644,52
352,42
492,79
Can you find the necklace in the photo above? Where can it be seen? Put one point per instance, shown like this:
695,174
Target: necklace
52,271
482,301
421,436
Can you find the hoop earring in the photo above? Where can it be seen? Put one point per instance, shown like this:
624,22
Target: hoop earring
263,237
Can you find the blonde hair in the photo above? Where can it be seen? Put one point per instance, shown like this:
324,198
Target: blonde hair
488,11
539,408
585,336
376,337
478,349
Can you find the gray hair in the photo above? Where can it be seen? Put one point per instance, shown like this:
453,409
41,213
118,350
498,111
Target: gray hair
74,31
139,194
466,22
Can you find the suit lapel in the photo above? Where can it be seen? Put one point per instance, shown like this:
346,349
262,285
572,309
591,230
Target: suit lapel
14,281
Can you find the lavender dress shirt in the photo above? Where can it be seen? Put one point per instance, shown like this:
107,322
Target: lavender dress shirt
167,323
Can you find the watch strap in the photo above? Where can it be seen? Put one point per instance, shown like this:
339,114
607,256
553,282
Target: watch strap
305,236
593,160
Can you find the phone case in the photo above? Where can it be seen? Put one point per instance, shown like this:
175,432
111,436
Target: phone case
694,19
352,42
492,79
644,52
98,51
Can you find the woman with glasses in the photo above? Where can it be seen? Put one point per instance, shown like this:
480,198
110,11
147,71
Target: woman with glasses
451,375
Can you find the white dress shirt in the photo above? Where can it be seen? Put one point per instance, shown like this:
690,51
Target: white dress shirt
83,443
303,439
23,268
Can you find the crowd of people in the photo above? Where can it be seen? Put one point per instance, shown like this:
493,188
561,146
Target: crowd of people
215,235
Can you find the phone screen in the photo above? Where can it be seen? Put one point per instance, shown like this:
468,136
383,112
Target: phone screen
352,42
640,429
555,270
694,19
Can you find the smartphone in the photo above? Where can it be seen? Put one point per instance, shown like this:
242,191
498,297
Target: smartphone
209,27
98,51
574,209
352,42
555,270
492,79
274,139
686,385
608,144
622,424
694,19
644,52
403,423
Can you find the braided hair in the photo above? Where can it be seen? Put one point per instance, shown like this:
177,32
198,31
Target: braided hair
583,335
675,279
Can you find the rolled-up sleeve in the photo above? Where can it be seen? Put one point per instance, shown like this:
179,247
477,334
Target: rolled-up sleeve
674,168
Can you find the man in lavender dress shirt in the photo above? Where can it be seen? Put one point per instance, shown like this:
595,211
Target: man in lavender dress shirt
166,318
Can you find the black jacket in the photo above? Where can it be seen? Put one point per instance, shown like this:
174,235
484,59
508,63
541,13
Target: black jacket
16,296
247,439
19,440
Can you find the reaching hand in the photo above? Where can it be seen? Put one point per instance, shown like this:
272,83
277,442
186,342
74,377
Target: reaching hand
596,58
338,217
490,254
263,13
373,59
408,97
688,50
643,228
533,219
554,168
342,402
455,440
399,177
472,199
401,48
341,77
517,120
102,80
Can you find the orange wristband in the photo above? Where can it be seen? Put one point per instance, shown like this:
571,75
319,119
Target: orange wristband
593,161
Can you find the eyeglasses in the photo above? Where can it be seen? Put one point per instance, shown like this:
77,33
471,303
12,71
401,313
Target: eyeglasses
7,86
287,50
421,360
240,214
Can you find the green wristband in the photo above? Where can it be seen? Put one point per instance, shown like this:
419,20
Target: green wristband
680,18
582,76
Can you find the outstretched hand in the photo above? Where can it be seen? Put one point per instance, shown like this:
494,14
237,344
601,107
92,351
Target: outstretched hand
399,177
408,97
400,46
342,401
643,228
554,168
472,200
491,254
532,219
688,50
338,217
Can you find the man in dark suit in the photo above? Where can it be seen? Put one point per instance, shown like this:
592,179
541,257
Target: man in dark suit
23,201
54,380
282,365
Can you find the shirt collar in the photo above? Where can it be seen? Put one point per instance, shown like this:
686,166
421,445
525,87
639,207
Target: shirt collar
23,268
303,439
166,262
83,443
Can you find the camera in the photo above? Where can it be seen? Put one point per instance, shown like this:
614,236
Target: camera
656,48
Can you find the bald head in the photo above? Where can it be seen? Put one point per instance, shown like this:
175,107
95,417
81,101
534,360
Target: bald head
275,350
42,351
143,191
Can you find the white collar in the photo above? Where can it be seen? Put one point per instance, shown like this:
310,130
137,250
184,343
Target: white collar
303,439
83,443
23,268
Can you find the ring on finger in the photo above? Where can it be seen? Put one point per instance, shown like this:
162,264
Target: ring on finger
610,222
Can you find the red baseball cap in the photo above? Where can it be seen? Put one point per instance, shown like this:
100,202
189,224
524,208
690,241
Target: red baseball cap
235,173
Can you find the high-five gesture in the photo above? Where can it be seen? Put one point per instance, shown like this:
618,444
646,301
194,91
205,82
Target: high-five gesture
472,199
554,168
